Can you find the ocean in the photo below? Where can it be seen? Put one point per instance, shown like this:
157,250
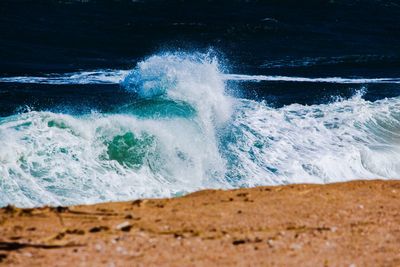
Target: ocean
117,100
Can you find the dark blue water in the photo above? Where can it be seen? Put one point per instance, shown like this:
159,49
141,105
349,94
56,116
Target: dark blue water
290,38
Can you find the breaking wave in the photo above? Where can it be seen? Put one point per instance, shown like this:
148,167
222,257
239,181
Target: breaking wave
186,133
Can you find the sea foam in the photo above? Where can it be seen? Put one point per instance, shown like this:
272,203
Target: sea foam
186,133
49,158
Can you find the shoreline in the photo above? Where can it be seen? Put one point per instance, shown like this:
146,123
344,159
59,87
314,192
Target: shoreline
352,223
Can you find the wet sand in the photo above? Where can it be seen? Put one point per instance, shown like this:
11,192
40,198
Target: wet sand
344,224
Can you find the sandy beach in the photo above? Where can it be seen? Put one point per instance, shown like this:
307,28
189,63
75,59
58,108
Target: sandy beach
343,224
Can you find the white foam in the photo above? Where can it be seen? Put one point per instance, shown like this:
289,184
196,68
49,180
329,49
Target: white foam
345,140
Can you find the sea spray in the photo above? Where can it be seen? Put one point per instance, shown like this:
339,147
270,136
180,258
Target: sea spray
49,158
191,78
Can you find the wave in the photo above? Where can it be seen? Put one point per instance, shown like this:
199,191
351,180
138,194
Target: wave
58,159
339,80
84,77
118,76
186,133
344,140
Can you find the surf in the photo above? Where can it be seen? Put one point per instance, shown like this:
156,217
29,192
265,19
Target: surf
140,151
185,131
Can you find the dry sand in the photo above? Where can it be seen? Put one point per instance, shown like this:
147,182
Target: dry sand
345,224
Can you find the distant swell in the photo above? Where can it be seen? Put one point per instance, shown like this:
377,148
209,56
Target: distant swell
85,77
117,76
340,80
